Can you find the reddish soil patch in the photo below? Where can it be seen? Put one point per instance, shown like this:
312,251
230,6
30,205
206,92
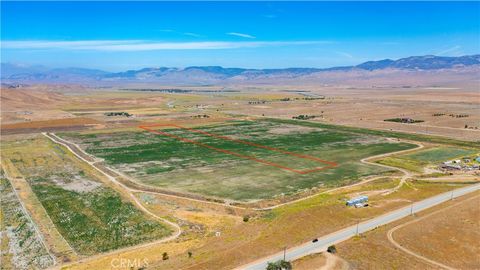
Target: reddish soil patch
329,164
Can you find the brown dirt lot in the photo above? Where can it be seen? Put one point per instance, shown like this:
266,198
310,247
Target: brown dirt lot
450,237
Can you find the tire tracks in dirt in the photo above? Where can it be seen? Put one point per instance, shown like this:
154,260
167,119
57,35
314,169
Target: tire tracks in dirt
418,256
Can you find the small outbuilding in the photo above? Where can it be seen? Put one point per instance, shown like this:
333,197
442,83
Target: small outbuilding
354,201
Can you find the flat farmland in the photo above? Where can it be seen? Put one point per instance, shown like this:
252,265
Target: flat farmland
417,161
176,164
91,216
447,234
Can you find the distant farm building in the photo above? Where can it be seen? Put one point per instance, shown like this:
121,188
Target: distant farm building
354,201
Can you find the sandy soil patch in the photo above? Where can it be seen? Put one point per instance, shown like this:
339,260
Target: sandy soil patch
78,184
288,129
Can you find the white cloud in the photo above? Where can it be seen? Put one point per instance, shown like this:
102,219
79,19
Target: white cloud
192,34
345,54
240,35
455,50
143,45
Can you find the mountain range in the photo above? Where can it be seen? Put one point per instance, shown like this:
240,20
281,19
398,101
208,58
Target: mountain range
196,75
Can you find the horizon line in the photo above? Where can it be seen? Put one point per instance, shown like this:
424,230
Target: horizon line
28,65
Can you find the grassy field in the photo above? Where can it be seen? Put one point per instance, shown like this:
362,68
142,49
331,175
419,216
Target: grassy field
436,231
452,232
21,247
439,154
297,223
433,156
91,216
170,163
270,231
392,134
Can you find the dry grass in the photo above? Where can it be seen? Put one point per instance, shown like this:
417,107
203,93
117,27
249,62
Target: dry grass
64,124
361,107
267,233
453,234
199,222
450,237
320,261
310,262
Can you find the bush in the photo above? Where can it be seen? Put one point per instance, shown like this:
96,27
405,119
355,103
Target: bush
279,265
332,249
246,218
165,256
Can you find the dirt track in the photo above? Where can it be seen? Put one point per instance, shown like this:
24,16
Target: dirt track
129,193
417,255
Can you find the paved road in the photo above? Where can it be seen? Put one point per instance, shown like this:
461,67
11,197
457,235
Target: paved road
342,235
418,255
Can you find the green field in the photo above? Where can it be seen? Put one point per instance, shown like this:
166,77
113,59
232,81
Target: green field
21,246
91,216
167,162
96,221
439,154
415,162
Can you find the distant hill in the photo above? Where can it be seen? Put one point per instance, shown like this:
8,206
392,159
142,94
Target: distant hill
427,62
14,73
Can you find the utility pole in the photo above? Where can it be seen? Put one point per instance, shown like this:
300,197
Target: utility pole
411,210
284,252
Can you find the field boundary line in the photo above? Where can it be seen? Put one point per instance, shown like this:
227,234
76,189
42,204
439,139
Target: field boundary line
364,160
27,214
330,164
430,261
177,228
158,192
70,250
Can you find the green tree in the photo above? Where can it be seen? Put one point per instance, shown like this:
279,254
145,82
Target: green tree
279,265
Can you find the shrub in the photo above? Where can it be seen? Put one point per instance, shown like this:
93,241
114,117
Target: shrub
279,265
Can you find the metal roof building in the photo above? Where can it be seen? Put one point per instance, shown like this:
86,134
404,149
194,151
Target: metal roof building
354,201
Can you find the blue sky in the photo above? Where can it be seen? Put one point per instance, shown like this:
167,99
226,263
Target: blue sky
126,35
